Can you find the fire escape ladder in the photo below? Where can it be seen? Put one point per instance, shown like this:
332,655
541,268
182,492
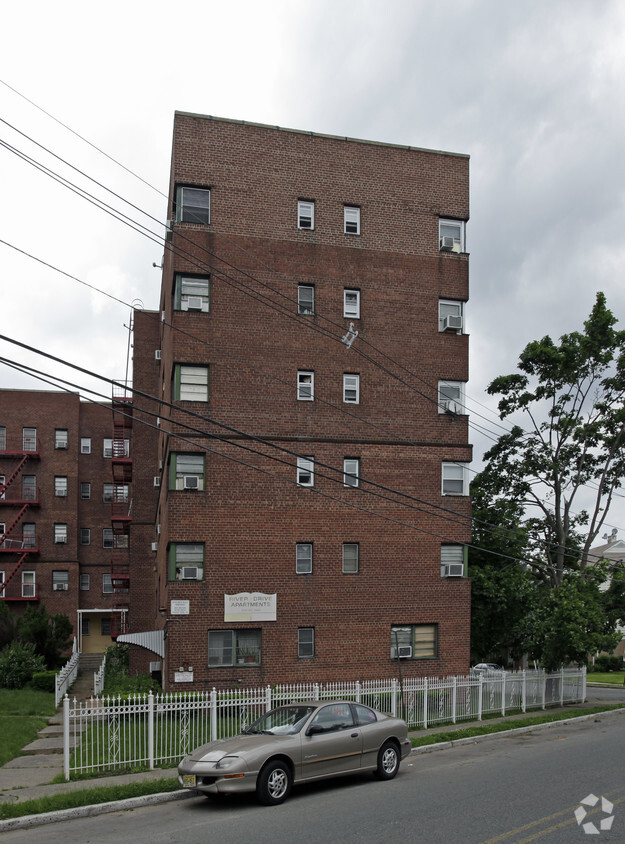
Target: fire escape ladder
3,537
13,571
13,474
121,510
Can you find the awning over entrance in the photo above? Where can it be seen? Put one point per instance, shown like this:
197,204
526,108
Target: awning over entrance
152,640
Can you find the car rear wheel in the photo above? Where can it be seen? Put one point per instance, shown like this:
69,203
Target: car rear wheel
388,761
274,783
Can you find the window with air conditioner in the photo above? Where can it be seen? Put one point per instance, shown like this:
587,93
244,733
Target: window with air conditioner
414,641
60,534
193,205
351,471
305,214
186,471
305,299
305,385
305,471
85,445
304,558
451,235
351,303
451,397
190,383
60,438
453,559
351,219
234,647
60,581
185,561
351,388
450,316
191,293
60,486
455,479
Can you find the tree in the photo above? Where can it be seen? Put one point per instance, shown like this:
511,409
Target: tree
51,635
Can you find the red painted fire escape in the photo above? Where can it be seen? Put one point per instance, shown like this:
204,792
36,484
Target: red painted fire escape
18,494
121,509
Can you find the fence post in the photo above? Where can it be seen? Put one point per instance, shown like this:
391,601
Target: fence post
151,730
267,698
454,699
425,703
562,686
66,737
479,696
394,699
316,691
544,694
357,691
523,691
503,694
584,678
213,711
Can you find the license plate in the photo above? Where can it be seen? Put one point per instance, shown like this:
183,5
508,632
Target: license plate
188,781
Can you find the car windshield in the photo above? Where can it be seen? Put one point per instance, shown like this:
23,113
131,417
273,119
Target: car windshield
285,720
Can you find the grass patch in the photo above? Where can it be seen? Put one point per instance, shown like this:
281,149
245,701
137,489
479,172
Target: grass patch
616,678
27,702
483,729
24,713
86,797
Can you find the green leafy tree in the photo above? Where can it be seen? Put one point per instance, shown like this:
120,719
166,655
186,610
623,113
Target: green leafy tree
50,635
18,663
8,625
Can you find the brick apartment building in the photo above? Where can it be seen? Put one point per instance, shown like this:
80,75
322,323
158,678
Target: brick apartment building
56,497
308,465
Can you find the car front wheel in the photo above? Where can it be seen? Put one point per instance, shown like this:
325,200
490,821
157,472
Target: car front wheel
274,783
388,761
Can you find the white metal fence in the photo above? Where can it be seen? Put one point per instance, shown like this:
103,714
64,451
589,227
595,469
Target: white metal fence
66,675
112,733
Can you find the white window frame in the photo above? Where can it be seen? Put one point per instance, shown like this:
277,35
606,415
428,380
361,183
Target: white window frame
186,466
232,647
306,303
451,228
108,538
85,445
451,392
107,448
305,385
350,566
305,214
186,555
60,486
351,303
191,383
61,577
189,210
85,490
422,639
29,535
306,471
29,584
351,472
351,219
303,558
188,287
107,584
60,533
452,554
305,642
454,479
29,439
85,534
351,388
450,307
61,438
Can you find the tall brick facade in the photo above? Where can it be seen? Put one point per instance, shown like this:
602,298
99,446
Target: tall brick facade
281,244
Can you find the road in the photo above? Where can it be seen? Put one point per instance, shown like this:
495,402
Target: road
515,790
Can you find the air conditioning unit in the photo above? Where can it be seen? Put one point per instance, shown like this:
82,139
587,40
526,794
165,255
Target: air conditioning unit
451,406
403,652
452,323
61,587
447,244
157,354
155,546
157,480
190,573
169,229
190,482
194,303
454,569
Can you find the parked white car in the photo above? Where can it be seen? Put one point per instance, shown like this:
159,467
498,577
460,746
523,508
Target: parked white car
487,668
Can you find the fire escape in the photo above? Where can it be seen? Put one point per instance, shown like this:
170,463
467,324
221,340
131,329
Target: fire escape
18,495
121,510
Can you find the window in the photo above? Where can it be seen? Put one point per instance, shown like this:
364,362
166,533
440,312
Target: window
85,445
60,534
351,303
414,641
305,214
115,492
233,647
450,317
350,558
351,388
29,439
303,558
305,299
306,642
105,626
452,560
107,450
305,385
29,535
85,536
190,383
193,205
2,577
191,293
29,487
351,471
85,490
3,438
351,219
455,479
60,486
85,626
451,235
107,537
305,471
2,487
450,397
107,584
60,438
186,561
60,581
186,471
28,584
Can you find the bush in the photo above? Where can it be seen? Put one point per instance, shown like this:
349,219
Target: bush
604,662
18,663
44,681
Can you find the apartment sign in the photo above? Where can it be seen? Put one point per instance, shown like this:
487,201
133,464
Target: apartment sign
250,606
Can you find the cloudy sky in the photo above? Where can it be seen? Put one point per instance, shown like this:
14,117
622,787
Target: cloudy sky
533,91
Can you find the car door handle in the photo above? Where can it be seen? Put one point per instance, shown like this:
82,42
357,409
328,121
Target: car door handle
354,735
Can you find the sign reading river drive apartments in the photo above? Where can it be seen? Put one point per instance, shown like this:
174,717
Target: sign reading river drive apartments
250,606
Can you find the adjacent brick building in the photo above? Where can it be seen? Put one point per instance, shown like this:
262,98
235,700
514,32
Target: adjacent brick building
304,485
56,492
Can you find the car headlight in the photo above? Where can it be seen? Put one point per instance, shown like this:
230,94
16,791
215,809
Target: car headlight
227,762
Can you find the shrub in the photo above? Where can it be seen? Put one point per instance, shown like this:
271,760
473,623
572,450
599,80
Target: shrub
605,662
18,663
44,681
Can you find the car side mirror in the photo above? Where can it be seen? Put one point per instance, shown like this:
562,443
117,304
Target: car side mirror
315,729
